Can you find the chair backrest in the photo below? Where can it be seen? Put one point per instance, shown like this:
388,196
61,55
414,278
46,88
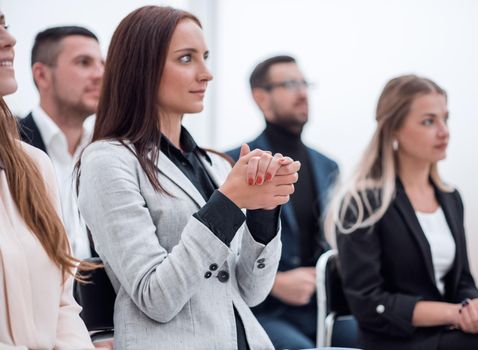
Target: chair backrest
336,301
97,297
330,296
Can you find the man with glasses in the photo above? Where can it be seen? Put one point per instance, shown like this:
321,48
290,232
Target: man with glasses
289,314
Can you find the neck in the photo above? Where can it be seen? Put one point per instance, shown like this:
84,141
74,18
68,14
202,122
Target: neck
171,128
413,173
69,121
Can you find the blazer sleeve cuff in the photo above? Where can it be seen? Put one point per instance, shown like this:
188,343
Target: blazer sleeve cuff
399,312
221,216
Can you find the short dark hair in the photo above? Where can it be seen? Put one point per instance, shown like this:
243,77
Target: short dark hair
46,46
260,75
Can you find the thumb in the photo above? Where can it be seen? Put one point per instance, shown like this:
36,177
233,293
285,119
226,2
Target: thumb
244,150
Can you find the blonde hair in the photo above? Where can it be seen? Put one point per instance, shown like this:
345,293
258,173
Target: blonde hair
366,196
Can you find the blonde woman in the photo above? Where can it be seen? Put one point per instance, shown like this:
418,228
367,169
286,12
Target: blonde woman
399,230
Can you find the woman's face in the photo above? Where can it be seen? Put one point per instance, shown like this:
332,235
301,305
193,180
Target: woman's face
185,75
424,134
8,84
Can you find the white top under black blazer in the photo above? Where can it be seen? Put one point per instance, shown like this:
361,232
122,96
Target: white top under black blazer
388,268
158,255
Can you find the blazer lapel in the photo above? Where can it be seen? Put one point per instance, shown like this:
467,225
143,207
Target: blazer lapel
212,172
408,214
30,133
322,181
171,171
451,215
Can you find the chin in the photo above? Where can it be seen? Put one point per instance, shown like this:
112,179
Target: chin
8,87
195,109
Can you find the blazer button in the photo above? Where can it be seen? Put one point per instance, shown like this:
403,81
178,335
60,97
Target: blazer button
213,267
380,309
261,266
207,274
261,260
223,276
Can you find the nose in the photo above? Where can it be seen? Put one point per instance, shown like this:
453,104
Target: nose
443,131
205,73
6,39
98,70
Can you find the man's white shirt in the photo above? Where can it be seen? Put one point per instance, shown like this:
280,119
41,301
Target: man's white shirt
64,163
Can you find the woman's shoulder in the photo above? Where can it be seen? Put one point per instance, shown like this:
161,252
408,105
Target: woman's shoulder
36,154
108,151
39,158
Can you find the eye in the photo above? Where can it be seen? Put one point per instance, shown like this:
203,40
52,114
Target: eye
206,56
427,122
185,58
84,61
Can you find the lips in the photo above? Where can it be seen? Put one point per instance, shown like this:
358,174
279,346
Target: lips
441,146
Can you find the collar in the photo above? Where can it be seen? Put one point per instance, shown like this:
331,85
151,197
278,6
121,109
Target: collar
49,129
278,135
188,145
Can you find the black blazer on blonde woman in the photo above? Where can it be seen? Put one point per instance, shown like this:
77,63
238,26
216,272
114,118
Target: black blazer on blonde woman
388,268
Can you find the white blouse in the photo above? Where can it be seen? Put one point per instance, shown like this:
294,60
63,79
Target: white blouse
442,244
37,310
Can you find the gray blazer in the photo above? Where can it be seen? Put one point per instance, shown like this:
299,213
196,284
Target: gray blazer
158,255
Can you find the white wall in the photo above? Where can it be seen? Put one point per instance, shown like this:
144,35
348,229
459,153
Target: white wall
350,49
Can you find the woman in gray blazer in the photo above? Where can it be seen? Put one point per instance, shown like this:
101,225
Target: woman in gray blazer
165,214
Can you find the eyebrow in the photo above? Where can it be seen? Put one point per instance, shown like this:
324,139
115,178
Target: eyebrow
83,56
433,115
187,49
190,49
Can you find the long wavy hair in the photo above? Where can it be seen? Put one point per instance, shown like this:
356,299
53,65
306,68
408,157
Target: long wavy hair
371,188
30,193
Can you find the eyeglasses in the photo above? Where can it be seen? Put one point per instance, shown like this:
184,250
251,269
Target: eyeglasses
291,85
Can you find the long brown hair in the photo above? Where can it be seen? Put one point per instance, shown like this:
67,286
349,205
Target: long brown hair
31,196
128,108
377,170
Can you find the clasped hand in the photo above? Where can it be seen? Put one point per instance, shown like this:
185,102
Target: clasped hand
468,316
260,180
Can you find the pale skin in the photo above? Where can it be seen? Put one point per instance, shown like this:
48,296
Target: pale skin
423,139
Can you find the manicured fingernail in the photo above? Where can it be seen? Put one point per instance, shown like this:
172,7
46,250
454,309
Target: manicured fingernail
251,181
268,177
259,180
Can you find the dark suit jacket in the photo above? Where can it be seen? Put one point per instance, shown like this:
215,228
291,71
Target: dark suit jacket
30,133
388,268
325,172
